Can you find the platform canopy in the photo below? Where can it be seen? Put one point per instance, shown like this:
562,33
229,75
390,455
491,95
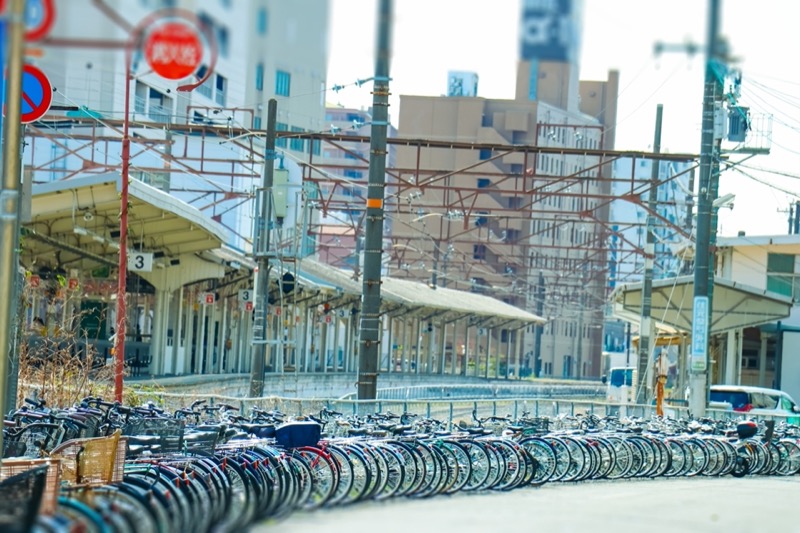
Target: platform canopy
74,224
420,300
734,305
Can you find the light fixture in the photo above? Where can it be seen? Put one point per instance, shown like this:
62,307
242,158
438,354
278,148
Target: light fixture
88,216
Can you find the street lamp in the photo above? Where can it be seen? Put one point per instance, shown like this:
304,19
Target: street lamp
168,54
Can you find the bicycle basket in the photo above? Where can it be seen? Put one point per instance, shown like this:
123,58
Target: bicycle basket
18,465
169,430
297,434
20,498
90,462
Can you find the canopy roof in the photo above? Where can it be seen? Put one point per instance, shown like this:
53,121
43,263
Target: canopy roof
440,303
734,305
75,223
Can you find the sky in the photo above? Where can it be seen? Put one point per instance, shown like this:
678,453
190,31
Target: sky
431,37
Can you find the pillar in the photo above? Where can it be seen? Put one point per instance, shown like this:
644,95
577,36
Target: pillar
730,358
762,361
417,339
188,337
465,359
389,344
158,337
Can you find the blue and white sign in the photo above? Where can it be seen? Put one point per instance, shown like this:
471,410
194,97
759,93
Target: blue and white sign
699,354
548,30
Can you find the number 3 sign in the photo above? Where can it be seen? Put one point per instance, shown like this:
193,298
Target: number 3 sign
141,262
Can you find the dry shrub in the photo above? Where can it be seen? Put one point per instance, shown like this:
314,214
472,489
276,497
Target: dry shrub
58,372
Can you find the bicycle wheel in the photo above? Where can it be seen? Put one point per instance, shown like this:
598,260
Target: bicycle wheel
544,456
479,465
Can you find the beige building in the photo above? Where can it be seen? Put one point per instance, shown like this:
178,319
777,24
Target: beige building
516,224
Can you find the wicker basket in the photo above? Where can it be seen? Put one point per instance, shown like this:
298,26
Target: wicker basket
92,462
18,465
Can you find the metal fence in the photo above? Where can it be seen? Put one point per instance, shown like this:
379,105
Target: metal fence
489,391
450,410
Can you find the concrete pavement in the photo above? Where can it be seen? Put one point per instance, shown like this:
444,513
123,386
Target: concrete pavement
729,505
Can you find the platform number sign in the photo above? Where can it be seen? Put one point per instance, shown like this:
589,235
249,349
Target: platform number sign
140,262
246,299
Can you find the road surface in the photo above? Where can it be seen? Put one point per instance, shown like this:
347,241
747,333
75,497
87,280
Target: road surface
729,505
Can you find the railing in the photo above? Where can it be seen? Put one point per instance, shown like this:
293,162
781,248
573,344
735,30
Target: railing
450,411
489,390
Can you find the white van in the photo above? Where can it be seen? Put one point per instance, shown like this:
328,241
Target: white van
621,385
754,401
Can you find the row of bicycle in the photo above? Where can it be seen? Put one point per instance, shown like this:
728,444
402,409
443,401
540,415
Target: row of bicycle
245,481
208,468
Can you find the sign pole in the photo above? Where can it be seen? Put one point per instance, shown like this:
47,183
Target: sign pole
10,201
704,263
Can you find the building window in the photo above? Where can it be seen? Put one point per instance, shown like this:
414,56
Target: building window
316,147
782,275
283,83
219,31
256,123
479,252
261,21
297,144
280,142
221,84
485,154
354,174
206,89
484,182
259,76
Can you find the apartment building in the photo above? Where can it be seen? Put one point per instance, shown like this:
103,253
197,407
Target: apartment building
264,49
521,226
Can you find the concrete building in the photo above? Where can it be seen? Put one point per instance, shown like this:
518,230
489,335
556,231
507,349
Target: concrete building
262,49
88,70
510,224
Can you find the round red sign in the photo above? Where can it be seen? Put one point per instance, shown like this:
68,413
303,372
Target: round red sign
173,50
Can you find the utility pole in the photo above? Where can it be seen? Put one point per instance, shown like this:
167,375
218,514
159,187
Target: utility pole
646,327
371,330
10,202
261,252
537,348
706,225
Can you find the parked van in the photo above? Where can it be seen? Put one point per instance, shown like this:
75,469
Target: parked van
621,385
755,401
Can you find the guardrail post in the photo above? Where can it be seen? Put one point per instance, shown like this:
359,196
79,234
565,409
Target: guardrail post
515,410
451,415
494,408
536,407
428,409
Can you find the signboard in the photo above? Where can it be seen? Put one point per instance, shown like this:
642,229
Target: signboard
547,31
173,50
140,261
208,298
37,94
248,306
34,280
40,15
698,359
246,295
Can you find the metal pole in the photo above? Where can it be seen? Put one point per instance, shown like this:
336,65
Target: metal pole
537,348
263,231
646,328
373,242
121,323
9,204
703,271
